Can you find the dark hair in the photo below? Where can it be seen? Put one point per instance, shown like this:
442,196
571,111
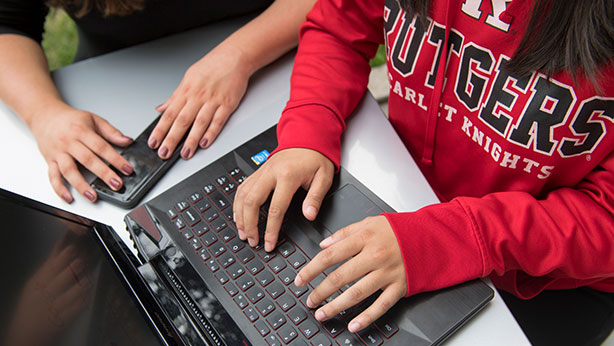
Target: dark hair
107,7
575,36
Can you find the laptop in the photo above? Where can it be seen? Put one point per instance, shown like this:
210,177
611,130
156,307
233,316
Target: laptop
193,281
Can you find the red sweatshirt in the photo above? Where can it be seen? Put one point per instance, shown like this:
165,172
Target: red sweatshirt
523,166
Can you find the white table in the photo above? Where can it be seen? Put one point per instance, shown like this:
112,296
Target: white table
126,85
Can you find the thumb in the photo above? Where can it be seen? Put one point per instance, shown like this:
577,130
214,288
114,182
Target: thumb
110,133
320,184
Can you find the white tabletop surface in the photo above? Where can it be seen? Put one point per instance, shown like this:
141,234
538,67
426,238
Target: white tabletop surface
126,85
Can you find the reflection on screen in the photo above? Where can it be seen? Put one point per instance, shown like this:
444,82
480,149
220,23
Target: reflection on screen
59,288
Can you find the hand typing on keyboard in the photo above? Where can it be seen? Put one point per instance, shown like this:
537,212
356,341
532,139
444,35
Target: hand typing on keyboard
281,175
373,262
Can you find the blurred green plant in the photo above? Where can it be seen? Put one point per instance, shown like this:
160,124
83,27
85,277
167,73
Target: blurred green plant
380,57
59,39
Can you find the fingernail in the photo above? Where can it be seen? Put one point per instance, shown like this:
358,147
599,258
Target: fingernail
203,142
163,152
160,105
252,242
185,153
89,196
326,242
152,143
115,183
241,234
268,246
320,315
298,281
311,211
309,303
354,327
66,197
127,169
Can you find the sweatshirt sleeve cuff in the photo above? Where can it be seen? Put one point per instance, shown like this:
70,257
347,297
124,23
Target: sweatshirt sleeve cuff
313,127
439,245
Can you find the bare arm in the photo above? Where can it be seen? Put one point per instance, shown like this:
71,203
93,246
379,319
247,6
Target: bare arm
213,87
64,135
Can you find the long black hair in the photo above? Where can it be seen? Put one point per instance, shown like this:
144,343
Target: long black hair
574,36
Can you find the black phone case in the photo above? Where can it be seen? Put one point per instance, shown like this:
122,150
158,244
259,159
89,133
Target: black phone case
148,169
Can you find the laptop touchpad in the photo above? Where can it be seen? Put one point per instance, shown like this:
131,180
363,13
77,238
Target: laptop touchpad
346,206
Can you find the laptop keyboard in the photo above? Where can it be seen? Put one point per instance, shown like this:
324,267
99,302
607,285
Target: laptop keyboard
261,283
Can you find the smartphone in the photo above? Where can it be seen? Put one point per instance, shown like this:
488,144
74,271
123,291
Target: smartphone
148,169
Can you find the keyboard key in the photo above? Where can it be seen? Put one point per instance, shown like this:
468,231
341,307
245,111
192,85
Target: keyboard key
251,314
217,250
297,260
236,244
309,329
266,256
230,187
317,280
265,278
222,278
334,326
204,254
203,206
276,320
246,255
235,271
275,289
388,328
265,307
286,302
219,200
228,234
208,239
245,282
254,294
298,291
241,301
181,206
228,214
347,339
195,197
277,264
231,289
196,244
179,223
222,180
200,229
273,340
287,276
286,249
297,315
187,235
218,224
226,260
171,214
235,172
370,336
321,340
287,333
213,265
262,328
254,266
210,215
209,188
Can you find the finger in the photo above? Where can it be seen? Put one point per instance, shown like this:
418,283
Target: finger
162,107
69,171
57,183
201,122
68,277
345,274
338,236
237,205
215,127
317,191
386,300
327,258
165,123
110,133
95,165
104,150
180,126
252,201
282,196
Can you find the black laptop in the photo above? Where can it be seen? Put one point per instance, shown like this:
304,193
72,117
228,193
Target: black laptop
194,282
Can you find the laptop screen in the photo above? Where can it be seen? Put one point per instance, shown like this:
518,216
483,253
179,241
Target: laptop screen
59,287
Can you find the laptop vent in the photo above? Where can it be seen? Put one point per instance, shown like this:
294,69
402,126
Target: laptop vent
188,302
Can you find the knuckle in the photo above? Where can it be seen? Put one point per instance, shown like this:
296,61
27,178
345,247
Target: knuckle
275,211
326,256
335,278
356,293
249,200
183,121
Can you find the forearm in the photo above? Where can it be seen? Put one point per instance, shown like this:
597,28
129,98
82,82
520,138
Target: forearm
271,34
25,82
